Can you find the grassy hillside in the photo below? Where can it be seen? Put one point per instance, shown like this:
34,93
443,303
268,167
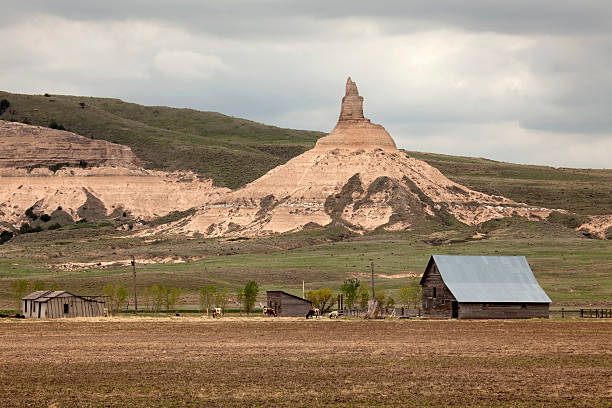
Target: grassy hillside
573,270
583,191
235,151
230,150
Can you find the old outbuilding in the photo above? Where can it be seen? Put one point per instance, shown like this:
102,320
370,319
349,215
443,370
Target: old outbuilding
286,304
59,303
481,287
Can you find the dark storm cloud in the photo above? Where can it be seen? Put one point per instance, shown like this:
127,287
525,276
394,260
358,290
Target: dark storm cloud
235,18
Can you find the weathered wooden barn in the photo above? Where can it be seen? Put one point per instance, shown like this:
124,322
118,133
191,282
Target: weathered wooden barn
481,287
286,304
54,304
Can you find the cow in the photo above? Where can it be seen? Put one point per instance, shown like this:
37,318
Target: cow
268,311
334,314
314,313
217,312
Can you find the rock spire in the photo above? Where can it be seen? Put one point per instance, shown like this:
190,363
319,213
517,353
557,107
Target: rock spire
352,103
353,130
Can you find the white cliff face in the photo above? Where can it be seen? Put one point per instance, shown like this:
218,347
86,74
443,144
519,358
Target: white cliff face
112,179
26,146
354,176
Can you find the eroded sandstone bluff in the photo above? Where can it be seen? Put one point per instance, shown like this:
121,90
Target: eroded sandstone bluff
25,146
355,176
63,174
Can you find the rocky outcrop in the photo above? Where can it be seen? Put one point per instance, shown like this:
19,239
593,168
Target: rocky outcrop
353,130
46,169
356,177
25,146
107,192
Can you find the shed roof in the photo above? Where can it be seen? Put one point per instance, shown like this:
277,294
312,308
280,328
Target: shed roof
489,278
36,295
288,294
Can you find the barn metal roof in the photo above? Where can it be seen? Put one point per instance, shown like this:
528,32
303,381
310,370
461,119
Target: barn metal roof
490,279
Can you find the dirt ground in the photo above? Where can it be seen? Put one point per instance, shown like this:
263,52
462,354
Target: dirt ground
282,362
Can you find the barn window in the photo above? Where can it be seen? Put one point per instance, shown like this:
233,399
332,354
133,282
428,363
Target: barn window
524,306
484,305
434,292
65,308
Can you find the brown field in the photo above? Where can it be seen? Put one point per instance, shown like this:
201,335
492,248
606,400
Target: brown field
277,362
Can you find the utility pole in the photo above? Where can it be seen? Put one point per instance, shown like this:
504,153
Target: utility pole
134,276
372,267
206,289
303,297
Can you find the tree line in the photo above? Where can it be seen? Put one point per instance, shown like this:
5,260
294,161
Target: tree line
356,296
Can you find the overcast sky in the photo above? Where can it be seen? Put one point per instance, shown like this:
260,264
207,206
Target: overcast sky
519,81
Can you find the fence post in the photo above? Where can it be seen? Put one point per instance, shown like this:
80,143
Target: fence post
563,313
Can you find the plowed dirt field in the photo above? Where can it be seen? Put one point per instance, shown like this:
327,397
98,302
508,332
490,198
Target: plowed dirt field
277,362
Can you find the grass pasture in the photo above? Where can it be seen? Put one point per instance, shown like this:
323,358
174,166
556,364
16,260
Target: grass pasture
573,270
183,362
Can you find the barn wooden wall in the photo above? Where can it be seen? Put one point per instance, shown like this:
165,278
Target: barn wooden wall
441,306
502,310
288,305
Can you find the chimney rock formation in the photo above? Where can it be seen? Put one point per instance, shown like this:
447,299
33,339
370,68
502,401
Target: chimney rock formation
352,103
353,131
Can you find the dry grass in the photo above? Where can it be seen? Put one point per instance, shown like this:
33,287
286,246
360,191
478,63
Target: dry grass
279,362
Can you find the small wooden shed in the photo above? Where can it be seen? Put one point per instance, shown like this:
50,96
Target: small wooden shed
286,304
54,304
481,287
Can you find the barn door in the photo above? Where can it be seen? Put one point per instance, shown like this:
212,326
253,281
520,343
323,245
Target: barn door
455,309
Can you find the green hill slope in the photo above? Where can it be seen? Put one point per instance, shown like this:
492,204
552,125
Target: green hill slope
230,150
583,191
234,151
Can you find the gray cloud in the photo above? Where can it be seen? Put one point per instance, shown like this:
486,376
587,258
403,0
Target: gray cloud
504,80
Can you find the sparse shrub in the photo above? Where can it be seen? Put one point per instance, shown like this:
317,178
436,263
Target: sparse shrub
82,105
54,125
47,95
5,236
20,289
45,218
30,213
55,167
172,296
117,296
207,293
350,288
59,208
363,297
251,290
322,299
572,221
4,105
411,294
124,214
38,285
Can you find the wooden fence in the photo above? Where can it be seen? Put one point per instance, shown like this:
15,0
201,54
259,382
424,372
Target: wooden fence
596,313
